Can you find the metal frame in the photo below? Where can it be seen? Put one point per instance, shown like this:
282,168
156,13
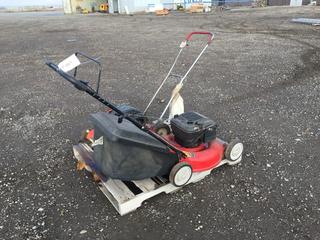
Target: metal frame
182,78
90,60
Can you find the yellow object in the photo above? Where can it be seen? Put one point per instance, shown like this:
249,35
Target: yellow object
197,8
104,7
84,11
162,12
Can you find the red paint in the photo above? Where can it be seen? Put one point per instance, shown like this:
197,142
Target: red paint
204,157
90,135
210,35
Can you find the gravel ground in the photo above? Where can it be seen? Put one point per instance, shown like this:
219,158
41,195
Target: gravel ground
260,80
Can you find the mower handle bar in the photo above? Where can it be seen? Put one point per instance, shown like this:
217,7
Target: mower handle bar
182,46
210,35
90,60
183,77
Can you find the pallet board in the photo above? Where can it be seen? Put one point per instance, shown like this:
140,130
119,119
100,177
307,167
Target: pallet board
127,196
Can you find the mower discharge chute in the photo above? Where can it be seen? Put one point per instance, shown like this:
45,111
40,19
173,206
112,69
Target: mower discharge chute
125,144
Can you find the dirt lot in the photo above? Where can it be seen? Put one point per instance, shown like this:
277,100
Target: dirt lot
260,80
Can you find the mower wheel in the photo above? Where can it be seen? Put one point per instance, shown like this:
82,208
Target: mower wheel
162,129
180,174
234,150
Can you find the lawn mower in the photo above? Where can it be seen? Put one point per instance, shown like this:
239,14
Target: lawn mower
126,148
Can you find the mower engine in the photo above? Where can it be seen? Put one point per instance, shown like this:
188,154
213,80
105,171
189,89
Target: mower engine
191,129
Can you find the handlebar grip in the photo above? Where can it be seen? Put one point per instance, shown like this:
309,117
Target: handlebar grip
210,35
80,85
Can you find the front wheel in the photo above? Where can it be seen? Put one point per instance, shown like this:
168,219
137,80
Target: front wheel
234,150
180,174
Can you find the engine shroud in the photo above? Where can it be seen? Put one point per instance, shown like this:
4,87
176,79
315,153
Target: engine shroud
192,129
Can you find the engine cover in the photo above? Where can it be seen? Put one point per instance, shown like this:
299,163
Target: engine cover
190,129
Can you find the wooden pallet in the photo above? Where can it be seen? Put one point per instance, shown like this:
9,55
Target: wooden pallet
196,8
127,196
162,12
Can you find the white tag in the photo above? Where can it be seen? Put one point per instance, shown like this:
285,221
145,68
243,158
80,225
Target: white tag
69,63
183,44
97,142
176,107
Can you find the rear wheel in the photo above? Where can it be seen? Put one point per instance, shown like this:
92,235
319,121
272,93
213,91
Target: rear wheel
180,174
162,129
234,150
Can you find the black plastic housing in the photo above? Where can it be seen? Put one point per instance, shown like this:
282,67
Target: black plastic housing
123,151
132,112
190,129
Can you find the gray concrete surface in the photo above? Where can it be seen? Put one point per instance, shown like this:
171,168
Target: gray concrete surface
259,80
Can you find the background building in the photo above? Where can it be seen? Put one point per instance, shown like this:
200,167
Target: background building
115,6
133,6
